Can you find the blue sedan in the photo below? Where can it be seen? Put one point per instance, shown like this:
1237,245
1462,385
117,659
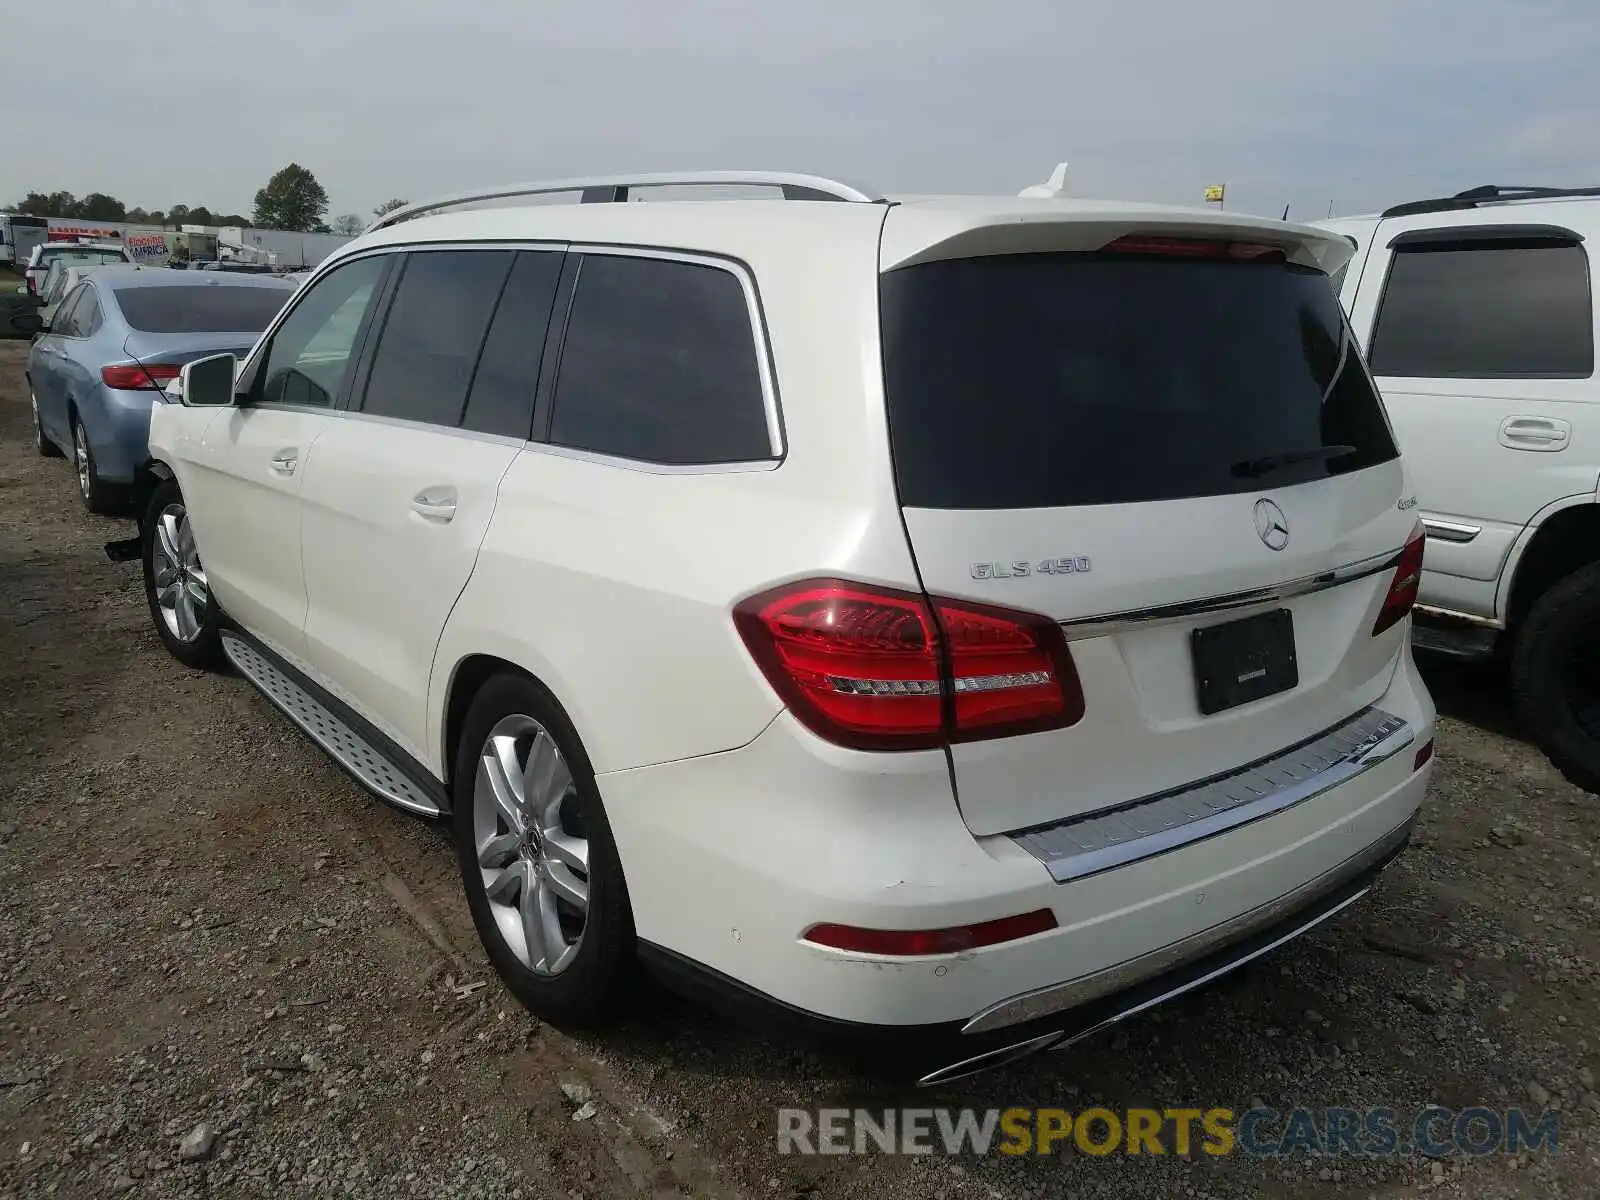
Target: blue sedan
111,347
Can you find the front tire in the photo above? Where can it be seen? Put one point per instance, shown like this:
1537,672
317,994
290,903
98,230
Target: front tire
538,861
186,617
1555,676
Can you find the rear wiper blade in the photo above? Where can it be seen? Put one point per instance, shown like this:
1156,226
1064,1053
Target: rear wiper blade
1253,468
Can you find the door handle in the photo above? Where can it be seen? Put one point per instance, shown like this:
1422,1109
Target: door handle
435,504
1535,433
284,462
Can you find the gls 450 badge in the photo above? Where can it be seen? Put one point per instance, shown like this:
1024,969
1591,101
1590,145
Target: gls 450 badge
1021,567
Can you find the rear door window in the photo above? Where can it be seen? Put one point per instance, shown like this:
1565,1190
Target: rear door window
660,365
433,333
501,400
1485,310
62,323
1045,380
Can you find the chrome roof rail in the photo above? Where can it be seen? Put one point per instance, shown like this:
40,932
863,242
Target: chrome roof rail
615,188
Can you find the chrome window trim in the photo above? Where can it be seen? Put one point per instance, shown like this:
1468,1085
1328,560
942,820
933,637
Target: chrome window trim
1099,626
1131,832
471,435
1450,531
649,468
760,342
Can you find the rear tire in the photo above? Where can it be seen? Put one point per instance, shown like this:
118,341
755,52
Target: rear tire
96,494
47,448
186,618
1555,675
542,876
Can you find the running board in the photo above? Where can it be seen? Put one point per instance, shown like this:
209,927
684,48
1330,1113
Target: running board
370,767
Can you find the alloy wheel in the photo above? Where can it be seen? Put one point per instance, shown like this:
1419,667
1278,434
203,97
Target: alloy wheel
180,580
531,847
80,455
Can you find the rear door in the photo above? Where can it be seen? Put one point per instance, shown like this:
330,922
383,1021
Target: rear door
1482,341
1141,444
399,489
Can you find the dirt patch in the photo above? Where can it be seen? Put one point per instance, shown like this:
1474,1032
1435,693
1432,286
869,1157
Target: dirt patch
226,971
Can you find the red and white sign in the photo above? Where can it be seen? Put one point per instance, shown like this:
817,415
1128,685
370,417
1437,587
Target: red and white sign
146,247
66,233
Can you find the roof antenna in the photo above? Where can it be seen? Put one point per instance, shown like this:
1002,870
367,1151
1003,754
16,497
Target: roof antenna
1051,189
1285,216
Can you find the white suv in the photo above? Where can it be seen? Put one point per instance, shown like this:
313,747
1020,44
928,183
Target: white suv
954,622
1479,321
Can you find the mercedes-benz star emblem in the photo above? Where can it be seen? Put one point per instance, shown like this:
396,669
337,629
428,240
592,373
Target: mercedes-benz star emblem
1272,527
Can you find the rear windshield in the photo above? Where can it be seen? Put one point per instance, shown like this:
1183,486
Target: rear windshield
81,258
201,308
1042,380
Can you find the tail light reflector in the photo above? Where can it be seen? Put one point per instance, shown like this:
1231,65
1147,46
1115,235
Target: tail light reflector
881,669
1422,755
904,942
1402,597
136,376
1175,247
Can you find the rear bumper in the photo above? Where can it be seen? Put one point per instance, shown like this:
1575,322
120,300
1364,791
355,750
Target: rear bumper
730,858
1051,1018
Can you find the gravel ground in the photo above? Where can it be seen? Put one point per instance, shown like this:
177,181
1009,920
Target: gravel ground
225,971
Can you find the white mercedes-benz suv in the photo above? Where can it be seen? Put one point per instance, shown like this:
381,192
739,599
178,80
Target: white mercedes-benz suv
953,623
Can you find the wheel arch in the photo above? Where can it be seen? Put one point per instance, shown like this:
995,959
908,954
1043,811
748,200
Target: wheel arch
467,679
147,477
1564,539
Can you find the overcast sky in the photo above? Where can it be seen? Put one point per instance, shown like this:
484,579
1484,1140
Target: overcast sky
1358,103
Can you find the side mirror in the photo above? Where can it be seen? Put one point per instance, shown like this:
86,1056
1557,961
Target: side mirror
29,322
208,382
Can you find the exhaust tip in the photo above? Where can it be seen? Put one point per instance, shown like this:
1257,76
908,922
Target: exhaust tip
991,1059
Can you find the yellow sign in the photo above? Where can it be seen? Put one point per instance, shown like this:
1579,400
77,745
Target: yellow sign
1214,193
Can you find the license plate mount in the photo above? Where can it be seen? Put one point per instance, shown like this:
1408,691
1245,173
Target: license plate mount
1241,661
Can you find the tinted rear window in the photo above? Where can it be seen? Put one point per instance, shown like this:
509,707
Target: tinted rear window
80,258
1041,380
201,308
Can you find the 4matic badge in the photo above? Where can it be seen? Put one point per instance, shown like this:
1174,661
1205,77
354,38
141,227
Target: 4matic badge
1022,567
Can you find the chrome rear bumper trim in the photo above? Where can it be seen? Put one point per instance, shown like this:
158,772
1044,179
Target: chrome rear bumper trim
1059,997
1100,841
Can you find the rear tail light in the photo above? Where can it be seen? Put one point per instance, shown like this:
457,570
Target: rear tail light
1174,247
1402,597
880,669
900,942
137,376
33,286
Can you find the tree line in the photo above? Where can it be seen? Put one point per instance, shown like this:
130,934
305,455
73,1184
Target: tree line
292,200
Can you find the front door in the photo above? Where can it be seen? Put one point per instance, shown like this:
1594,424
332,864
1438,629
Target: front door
244,491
